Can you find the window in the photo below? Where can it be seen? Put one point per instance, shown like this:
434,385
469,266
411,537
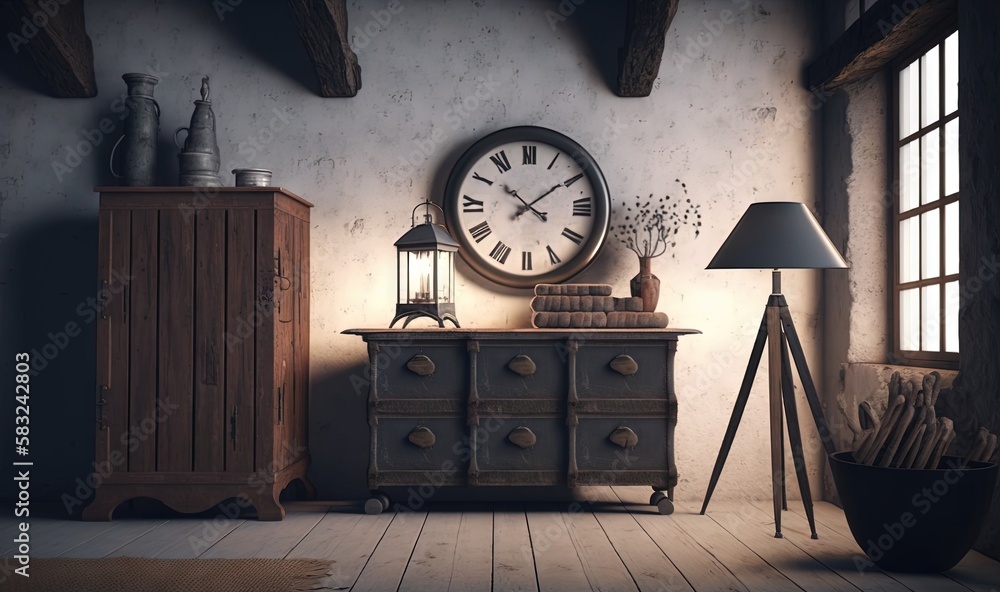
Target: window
925,214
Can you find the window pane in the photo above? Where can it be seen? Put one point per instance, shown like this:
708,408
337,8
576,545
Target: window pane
951,157
951,73
930,244
909,103
929,89
930,167
909,250
951,299
909,176
931,318
909,319
951,238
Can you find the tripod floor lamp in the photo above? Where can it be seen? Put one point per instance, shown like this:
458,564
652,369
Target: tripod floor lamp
778,235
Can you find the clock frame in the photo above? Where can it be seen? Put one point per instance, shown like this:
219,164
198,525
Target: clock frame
535,141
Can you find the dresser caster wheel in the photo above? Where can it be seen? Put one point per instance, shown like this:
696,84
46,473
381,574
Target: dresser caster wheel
378,503
662,503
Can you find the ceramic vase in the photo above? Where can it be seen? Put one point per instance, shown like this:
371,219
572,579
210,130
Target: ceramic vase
645,285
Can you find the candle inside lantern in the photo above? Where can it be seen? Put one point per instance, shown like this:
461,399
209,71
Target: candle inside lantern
421,276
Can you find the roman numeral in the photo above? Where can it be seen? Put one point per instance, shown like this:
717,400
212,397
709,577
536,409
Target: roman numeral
480,231
500,252
500,159
569,182
553,160
528,154
474,205
581,207
476,176
526,260
576,238
553,258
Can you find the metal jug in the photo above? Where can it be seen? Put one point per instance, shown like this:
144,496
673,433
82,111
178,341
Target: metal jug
142,123
199,158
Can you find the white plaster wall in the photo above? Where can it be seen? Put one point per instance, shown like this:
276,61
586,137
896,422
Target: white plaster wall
729,117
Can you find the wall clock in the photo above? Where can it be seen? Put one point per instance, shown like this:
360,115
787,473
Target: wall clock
528,205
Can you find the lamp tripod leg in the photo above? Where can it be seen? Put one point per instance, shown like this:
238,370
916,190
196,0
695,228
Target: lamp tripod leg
775,412
784,493
807,382
738,408
795,436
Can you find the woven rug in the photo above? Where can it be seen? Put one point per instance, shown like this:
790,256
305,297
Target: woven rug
133,574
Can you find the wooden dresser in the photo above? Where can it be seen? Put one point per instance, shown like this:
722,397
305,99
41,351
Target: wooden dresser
525,407
202,347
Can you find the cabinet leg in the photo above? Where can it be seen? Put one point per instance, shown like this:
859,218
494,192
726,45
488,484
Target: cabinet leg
267,505
102,508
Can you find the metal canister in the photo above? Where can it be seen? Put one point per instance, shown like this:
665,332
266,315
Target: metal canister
252,177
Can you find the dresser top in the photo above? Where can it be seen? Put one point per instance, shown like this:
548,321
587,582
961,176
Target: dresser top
486,334
152,192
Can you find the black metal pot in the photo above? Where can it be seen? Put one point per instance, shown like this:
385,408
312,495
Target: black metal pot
914,520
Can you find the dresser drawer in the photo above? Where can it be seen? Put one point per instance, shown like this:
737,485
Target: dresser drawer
512,371
634,371
404,444
510,447
419,371
595,451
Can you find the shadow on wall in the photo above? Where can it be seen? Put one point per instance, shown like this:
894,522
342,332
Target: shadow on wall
51,314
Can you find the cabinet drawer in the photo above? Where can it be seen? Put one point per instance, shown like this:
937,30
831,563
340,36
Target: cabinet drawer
510,371
595,451
503,449
403,445
422,371
635,371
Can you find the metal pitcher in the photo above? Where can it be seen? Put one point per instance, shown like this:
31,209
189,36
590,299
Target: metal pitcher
142,123
199,158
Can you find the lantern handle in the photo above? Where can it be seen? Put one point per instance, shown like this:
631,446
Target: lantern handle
427,216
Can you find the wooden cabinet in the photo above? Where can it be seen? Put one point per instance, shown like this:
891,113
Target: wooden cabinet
527,407
203,347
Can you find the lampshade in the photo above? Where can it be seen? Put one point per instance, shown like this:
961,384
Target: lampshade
778,235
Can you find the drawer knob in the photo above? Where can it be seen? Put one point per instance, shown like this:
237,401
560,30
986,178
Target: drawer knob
422,437
522,437
421,365
522,365
624,437
624,365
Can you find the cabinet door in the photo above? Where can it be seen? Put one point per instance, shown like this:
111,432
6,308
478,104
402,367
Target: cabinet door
209,340
284,340
240,339
144,296
112,338
176,341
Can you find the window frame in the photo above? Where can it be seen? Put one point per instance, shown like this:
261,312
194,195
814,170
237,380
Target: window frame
939,359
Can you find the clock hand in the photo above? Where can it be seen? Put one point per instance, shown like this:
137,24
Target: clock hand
526,207
521,210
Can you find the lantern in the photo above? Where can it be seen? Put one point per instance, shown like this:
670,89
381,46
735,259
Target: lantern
425,271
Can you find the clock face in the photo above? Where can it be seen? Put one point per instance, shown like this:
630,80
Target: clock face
527,205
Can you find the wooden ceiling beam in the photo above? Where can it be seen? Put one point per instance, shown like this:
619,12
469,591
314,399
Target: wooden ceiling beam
645,37
54,36
875,39
323,28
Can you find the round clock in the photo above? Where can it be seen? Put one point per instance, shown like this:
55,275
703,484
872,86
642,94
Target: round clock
528,206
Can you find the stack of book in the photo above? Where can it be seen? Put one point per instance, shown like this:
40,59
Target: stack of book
589,306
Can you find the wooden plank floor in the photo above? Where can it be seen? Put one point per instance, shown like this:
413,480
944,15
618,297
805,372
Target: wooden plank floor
608,540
